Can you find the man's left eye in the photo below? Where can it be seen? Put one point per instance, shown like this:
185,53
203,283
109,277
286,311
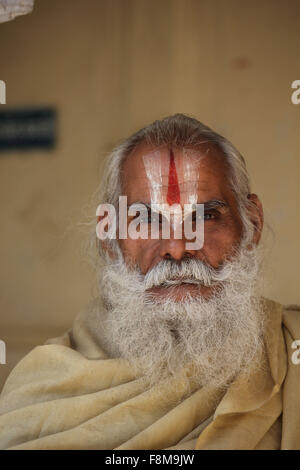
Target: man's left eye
210,215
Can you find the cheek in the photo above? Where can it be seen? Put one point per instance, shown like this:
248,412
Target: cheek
129,249
139,252
220,240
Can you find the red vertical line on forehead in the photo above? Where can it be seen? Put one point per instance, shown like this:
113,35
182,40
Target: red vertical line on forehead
173,195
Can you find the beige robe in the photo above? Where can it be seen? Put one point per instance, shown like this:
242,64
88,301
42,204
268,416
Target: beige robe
68,394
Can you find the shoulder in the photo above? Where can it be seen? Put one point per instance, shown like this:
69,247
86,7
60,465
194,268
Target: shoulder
286,316
291,320
85,334
44,365
54,364
291,398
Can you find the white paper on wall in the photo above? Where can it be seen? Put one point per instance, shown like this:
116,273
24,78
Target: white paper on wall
9,9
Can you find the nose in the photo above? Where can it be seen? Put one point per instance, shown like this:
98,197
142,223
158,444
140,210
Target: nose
174,249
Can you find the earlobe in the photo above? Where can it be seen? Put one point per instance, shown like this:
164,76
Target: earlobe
256,216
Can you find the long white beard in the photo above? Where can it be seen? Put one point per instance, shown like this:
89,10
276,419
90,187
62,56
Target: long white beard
219,336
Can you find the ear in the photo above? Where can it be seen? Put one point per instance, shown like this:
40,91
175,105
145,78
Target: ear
256,216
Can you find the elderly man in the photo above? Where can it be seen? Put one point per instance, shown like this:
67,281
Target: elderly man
180,350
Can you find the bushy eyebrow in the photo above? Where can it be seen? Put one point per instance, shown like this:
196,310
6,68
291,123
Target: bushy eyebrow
214,204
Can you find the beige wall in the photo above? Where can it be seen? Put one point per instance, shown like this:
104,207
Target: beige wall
111,66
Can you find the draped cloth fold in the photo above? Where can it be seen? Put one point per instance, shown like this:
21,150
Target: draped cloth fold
69,394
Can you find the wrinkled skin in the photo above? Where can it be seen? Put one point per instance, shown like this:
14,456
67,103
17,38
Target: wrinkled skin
223,228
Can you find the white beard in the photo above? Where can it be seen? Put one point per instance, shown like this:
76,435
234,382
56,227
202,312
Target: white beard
160,338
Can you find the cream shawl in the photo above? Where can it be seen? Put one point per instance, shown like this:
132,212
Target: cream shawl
68,394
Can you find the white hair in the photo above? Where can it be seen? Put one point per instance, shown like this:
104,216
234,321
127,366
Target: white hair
218,337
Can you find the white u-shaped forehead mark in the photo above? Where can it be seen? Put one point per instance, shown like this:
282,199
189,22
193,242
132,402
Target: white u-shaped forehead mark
157,168
153,168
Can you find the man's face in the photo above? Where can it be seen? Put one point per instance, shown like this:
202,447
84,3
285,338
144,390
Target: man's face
206,181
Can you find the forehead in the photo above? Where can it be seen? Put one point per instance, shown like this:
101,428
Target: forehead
201,171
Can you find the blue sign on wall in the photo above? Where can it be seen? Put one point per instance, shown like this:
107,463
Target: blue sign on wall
27,129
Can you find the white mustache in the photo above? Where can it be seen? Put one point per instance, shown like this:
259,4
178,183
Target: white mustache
190,271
